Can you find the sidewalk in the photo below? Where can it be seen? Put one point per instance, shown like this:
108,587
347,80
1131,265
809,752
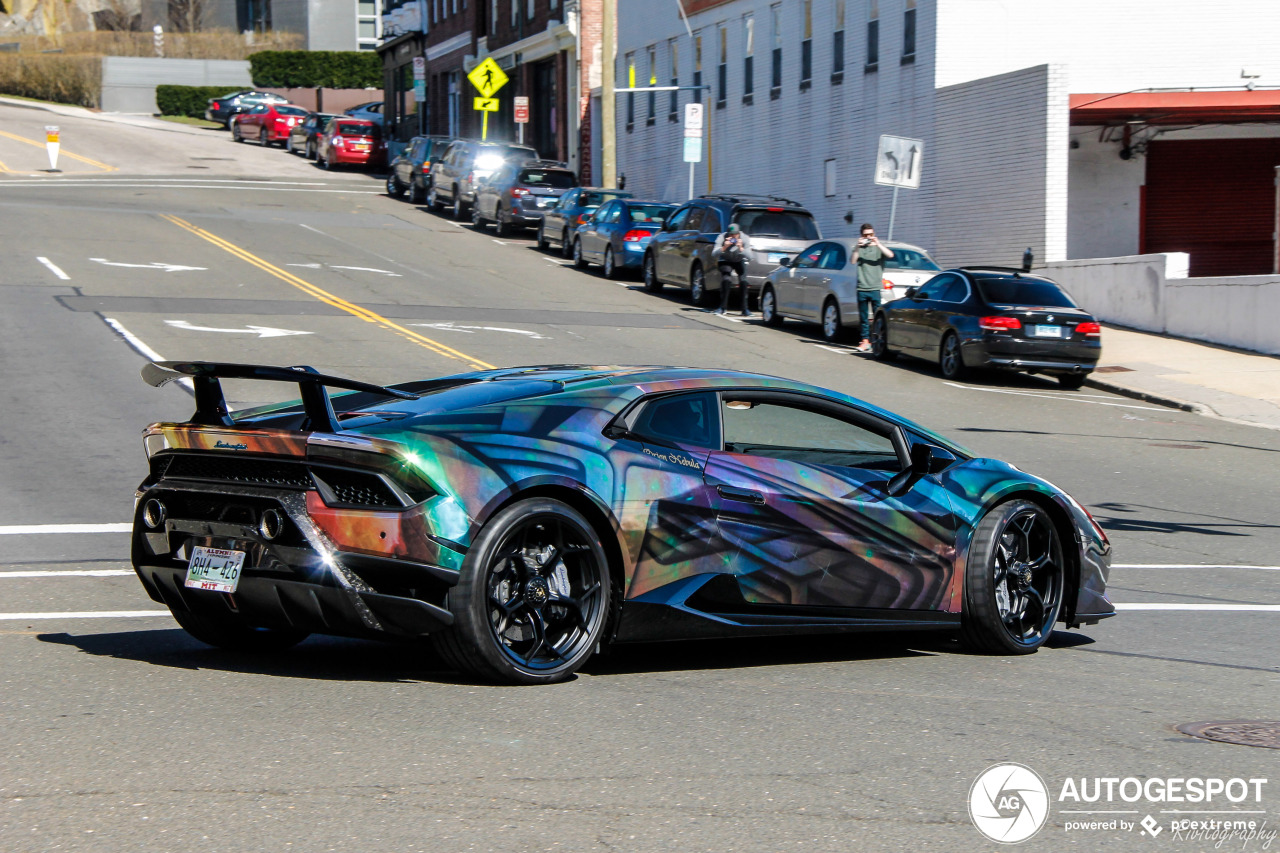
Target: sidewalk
134,119
1211,380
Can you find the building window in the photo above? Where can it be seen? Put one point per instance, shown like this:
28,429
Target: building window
873,37
837,45
697,64
909,33
631,83
515,13
722,70
530,11
806,44
748,58
653,81
368,25
829,178
493,17
673,102
775,12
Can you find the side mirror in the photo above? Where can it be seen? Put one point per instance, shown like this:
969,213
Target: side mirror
784,262
925,459
911,292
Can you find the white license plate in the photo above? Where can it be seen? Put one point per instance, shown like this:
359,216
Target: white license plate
1046,331
776,257
215,569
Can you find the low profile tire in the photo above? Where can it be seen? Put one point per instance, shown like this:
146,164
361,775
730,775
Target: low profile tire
393,186
1072,381
880,339
579,262
610,268
233,636
533,597
566,245
698,286
458,209
950,361
1014,580
769,308
542,240
832,330
651,281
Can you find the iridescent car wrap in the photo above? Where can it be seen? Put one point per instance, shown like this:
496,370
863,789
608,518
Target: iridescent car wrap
382,512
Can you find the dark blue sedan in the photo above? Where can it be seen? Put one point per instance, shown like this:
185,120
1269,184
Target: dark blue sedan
616,235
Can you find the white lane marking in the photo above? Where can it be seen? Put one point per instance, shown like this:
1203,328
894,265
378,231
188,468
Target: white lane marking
60,184
1195,566
367,269
260,331
471,330
141,348
71,573
154,265
306,266
1233,608
82,614
1071,399
26,529
557,262
835,350
54,269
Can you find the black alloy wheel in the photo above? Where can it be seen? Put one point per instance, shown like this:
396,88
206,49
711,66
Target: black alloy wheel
769,307
533,598
1014,580
950,360
652,283
880,339
579,262
832,329
698,286
229,633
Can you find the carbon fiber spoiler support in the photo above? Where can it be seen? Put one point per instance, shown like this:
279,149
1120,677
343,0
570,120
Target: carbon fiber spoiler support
211,405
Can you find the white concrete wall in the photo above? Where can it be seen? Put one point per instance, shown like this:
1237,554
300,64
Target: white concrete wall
1154,294
1110,46
780,146
129,82
1001,162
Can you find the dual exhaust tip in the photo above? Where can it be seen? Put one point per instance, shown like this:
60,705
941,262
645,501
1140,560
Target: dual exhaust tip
270,525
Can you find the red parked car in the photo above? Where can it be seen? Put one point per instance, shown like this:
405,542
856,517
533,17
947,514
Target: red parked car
269,124
351,142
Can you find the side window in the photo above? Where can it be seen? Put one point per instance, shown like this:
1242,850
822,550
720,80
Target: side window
809,258
834,257
615,212
568,200
935,286
799,434
688,419
679,219
711,223
694,222
956,291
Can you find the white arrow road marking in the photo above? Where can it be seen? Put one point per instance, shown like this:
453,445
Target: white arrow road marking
156,265
260,331
470,330
54,269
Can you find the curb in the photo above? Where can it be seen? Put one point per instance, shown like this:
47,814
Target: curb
1146,397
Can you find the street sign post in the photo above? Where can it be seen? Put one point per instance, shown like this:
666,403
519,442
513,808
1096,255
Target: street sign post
898,165
488,77
521,103
694,122
420,91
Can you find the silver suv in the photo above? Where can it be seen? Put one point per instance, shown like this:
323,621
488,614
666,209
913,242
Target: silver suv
465,164
680,254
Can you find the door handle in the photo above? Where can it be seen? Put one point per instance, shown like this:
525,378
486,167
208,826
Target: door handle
743,495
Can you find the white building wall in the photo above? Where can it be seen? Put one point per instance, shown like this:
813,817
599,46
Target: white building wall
1001,160
780,146
1109,46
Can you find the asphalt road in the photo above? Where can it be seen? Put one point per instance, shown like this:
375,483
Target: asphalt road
121,733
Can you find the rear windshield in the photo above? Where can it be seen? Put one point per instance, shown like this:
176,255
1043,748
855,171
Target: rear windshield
906,259
780,224
290,111
358,129
556,179
650,212
1023,291
515,152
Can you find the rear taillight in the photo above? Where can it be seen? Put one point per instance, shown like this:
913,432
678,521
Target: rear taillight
338,141
583,217
1092,330
886,284
519,192
999,324
636,235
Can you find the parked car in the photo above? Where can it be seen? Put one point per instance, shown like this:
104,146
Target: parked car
526,518
681,253
618,233
820,284
267,123
468,161
371,111
572,210
411,171
909,267
304,138
225,108
518,194
351,142
976,317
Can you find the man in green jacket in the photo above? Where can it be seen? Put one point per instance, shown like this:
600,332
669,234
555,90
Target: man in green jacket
871,257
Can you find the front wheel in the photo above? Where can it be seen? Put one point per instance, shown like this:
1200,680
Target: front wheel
288,145
477,221
234,636
1072,381
311,151
415,193
457,205
1014,580
579,262
880,339
698,286
393,186
769,307
502,226
652,283
533,596
950,361
235,132
832,331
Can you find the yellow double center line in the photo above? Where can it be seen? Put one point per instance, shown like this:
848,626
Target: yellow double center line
328,298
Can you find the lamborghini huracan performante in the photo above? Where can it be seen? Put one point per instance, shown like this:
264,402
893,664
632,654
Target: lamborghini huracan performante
525,518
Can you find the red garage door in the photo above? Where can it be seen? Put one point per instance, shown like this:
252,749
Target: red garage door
1215,199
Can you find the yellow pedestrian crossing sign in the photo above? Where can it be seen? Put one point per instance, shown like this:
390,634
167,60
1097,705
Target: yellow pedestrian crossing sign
488,105
487,77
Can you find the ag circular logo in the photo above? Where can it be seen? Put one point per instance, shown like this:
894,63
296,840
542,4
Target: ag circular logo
1009,803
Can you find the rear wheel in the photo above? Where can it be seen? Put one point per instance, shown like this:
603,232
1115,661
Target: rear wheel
311,151
393,186
698,286
1072,381
832,331
415,193
263,139
232,635
950,361
434,204
457,205
610,271
1014,580
769,307
566,244
651,281
542,239
880,339
477,221
579,262
235,132
501,225
533,597
288,144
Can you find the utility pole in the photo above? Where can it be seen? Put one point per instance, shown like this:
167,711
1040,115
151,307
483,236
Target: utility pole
608,105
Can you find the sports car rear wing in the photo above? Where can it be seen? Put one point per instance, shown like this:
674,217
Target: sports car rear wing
211,405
